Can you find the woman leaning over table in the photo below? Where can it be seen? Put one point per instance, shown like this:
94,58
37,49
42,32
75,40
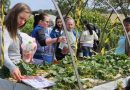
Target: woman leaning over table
14,21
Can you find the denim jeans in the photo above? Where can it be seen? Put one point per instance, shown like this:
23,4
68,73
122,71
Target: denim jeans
86,51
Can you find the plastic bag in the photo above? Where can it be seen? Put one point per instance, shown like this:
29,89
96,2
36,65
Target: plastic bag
29,47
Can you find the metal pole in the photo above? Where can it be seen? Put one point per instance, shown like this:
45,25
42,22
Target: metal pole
105,27
108,19
71,51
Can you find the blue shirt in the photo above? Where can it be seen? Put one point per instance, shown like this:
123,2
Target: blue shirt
41,34
56,33
121,46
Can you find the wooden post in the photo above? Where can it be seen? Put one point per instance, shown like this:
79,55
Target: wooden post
2,45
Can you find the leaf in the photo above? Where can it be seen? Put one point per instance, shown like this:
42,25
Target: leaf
103,51
107,40
25,69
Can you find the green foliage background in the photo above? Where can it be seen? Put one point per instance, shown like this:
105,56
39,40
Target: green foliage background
29,26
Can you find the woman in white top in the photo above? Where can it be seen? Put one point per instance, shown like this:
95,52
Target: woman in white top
87,39
14,21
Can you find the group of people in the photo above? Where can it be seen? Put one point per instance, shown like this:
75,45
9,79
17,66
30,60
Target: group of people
51,44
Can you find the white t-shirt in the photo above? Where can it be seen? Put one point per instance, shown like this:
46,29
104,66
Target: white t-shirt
87,40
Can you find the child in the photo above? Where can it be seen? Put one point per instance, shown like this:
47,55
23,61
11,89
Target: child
87,39
126,22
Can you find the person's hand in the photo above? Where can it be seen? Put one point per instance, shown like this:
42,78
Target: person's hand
16,74
62,39
65,50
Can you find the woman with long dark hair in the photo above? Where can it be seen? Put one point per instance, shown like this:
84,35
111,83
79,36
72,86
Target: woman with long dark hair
56,33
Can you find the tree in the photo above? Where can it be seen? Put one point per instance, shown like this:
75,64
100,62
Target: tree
121,5
81,10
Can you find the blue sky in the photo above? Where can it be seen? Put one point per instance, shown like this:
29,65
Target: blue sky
35,4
